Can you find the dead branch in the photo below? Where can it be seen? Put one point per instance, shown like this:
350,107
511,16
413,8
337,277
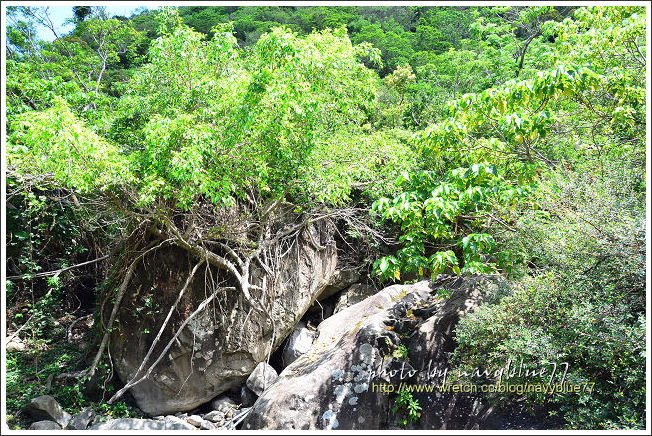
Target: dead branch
56,272
73,324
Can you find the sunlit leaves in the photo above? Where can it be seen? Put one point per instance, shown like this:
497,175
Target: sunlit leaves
55,141
434,213
442,260
289,117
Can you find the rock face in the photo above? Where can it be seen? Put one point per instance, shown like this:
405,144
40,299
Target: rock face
334,376
46,408
45,425
298,343
353,295
338,383
339,281
221,345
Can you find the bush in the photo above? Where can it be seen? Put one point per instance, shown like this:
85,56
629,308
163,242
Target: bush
582,301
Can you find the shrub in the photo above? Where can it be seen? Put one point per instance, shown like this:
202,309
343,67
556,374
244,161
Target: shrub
582,302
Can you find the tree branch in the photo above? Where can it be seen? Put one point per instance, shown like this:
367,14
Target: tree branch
55,272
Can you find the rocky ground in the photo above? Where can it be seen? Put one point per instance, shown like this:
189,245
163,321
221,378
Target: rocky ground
331,365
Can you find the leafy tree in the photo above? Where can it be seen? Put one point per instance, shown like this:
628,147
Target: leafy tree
583,303
442,221
581,297
237,131
109,39
55,142
80,13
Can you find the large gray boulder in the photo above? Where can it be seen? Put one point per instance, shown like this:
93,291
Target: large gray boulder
46,408
338,383
220,346
334,377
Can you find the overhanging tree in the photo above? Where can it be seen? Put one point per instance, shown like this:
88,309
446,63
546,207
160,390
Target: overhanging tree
212,147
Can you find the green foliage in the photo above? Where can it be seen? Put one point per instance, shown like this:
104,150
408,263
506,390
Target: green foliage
401,352
119,409
393,100
278,105
55,141
49,229
368,163
489,139
583,304
451,212
73,66
407,407
27,378
507,125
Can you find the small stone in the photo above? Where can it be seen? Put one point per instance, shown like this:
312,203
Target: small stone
82,420
298,343
45,425
132,424
207,425
15,345
174,423
223,404
194,420
214,416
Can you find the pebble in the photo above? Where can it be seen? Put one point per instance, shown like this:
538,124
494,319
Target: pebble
206,425
215,416
195,420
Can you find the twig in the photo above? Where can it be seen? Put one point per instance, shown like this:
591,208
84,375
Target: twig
19,329
237,419
73,324
55,272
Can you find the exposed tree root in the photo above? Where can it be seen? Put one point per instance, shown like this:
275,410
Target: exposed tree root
131,383
116,305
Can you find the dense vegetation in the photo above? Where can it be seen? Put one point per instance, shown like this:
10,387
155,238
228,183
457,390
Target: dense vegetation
467,140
